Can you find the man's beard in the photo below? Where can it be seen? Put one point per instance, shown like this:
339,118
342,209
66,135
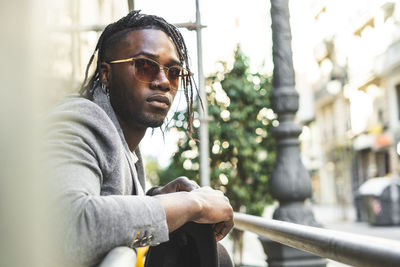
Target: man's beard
137,116
150,121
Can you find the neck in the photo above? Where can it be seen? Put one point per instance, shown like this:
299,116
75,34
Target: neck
133,135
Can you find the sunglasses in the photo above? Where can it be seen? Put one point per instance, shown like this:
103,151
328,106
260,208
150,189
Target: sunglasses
147,70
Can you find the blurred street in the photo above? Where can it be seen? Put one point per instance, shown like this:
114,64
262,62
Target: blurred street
331,217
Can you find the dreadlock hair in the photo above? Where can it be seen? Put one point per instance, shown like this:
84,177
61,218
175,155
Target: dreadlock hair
117,31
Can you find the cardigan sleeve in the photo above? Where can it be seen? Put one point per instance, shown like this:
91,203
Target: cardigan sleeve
82,152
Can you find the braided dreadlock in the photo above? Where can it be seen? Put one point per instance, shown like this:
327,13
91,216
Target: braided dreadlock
117,31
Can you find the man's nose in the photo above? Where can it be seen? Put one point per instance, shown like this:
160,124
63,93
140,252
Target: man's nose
161,81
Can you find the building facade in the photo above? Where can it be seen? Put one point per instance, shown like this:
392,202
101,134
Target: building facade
356,96
74,27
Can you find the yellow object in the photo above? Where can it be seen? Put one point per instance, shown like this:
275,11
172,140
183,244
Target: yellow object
376,129
141,256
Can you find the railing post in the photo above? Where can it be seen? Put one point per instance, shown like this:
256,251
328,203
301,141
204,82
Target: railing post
289,183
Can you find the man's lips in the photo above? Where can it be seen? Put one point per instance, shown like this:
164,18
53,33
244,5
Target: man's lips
160,98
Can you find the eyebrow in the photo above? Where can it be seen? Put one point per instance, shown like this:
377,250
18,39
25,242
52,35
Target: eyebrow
153,56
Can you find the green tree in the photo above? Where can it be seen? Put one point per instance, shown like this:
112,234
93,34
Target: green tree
242,152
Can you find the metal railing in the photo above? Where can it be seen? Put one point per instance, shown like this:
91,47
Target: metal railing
348,248
352,249
119,257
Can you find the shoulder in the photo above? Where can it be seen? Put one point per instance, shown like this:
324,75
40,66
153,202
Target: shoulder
77,106
80,122
77,111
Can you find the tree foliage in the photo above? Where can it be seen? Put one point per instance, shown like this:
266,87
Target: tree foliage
241,148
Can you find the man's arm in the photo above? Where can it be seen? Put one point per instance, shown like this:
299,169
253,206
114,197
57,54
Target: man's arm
83,154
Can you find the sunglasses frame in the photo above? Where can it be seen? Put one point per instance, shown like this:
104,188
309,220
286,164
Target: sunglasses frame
164,68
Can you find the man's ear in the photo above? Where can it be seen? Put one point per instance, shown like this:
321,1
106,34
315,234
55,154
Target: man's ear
105,73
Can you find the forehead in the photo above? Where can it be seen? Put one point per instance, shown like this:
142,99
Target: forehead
149,41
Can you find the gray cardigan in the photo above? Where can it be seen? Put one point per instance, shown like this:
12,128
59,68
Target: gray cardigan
94,183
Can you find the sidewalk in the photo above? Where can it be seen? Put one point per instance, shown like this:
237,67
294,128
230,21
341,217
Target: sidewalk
340,219
326,216
331,217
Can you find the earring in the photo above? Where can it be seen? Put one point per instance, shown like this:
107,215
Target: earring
105,89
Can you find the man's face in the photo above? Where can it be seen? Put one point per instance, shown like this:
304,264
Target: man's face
140,104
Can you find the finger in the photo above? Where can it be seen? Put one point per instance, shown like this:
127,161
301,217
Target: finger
219,237
195,185
184,184
218,228
155,190
222,229
219,231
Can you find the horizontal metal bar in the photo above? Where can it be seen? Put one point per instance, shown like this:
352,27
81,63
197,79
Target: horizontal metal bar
120,257
79,28
191,26
348,248
98,27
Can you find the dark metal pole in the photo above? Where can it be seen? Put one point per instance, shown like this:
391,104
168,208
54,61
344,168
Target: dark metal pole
289,183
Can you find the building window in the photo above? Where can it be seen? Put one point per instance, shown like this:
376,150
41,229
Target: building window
382,163
398,100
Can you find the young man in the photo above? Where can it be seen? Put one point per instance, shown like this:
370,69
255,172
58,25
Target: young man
93,143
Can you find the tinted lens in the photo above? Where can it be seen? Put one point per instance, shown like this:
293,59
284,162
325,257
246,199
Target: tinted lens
173,75
146,70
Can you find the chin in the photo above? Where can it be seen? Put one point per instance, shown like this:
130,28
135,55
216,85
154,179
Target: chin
152,122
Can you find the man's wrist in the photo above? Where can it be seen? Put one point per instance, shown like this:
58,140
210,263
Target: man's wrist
196,207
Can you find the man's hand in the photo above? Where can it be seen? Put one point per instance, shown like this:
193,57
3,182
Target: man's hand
181,183
184,201
216,209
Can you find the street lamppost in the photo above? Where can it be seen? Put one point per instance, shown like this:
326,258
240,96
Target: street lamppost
203,106
290,182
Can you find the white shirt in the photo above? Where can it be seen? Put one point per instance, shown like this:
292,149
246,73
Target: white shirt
139,189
